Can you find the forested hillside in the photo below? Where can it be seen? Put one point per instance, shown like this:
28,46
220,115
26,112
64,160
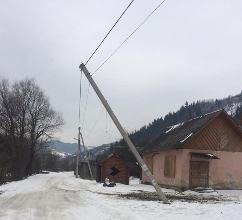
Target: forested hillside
232,105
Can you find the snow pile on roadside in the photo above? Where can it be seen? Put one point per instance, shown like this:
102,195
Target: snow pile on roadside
31,184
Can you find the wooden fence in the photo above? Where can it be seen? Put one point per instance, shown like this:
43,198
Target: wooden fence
5,175
84,170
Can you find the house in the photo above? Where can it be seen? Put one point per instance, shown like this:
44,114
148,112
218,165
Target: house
110,166
202,152
114,162
114,168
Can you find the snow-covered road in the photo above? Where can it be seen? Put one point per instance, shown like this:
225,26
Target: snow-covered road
59,196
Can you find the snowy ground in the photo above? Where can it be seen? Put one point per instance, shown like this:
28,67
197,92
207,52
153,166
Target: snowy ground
59,196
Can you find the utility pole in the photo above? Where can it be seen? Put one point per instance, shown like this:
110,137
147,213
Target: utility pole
88,162
78,152
124,134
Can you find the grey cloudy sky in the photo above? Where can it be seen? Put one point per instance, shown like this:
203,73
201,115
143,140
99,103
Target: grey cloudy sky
188,50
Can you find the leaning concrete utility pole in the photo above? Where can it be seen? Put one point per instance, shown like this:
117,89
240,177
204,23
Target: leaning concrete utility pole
78,152
124,134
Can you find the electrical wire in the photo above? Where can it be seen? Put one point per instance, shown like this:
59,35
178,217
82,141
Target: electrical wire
80,96
130,35
93,127
115,51
99,45
85,107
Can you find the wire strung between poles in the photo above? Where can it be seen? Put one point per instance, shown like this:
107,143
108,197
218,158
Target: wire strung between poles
80,96
99,45
129,36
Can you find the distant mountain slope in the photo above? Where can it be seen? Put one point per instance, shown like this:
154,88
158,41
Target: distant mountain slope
63,147
141,138
231,104
93,153
69,148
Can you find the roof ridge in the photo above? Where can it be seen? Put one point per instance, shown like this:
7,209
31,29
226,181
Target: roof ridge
180,124
176,136
203,115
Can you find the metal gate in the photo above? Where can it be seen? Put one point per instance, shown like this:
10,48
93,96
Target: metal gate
199,174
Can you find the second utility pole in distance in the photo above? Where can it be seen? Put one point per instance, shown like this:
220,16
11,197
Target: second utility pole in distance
78,152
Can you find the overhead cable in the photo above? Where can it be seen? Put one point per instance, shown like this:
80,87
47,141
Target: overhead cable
80,96
109,31
85,106
130,35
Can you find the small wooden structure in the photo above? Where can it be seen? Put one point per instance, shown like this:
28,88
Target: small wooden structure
114,168
84,172
5,174
116,163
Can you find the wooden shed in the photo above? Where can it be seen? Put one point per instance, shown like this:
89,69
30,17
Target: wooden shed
114,168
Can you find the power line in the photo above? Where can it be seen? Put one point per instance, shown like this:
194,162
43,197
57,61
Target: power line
85,107
92,56
80,96
109,31
130,35
93,127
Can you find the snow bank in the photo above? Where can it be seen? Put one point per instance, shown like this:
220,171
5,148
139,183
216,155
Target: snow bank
60,196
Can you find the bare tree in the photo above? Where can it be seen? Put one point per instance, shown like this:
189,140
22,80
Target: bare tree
26,117
7,110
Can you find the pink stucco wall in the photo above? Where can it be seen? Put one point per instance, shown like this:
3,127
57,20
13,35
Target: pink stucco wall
158,161
225,172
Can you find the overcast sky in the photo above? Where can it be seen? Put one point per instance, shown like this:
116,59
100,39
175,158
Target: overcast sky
188,50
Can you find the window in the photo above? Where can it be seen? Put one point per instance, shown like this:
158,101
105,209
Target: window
170,166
